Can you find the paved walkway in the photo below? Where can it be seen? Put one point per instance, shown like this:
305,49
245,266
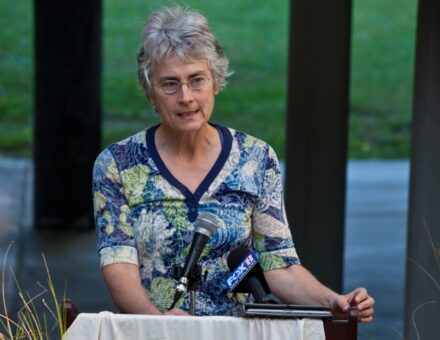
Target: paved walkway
374,251
375,245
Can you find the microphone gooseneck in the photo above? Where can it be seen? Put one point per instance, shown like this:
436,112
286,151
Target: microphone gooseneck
204,226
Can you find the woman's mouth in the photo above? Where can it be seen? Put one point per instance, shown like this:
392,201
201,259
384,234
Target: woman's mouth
187,114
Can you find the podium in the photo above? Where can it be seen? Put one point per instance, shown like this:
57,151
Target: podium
106,325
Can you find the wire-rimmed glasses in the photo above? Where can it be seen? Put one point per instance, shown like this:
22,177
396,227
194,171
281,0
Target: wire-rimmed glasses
172,86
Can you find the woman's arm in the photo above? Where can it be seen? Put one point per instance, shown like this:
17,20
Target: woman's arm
297,285
128,294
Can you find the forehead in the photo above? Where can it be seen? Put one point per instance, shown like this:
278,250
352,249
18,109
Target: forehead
174,66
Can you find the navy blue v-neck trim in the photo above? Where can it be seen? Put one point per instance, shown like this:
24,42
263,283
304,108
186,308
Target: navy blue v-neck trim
192,199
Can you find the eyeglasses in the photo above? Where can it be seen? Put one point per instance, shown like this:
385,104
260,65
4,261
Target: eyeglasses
171,86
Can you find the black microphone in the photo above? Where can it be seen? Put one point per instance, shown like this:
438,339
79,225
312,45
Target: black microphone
247,276
204,227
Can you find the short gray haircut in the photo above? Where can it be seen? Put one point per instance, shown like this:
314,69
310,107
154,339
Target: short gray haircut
174,31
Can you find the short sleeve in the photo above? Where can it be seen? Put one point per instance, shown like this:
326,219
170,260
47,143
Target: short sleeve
113,217
272,239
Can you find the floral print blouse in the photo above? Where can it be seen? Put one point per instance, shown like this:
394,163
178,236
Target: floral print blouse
145,216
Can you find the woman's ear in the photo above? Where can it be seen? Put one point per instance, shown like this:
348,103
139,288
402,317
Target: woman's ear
152,101
216,90
150,98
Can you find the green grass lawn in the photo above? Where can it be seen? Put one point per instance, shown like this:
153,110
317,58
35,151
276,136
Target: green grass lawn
381,78
254,36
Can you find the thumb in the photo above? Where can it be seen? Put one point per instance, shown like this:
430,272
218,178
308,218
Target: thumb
343,304
340,307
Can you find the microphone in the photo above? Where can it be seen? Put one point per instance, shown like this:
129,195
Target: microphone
204,227
247,276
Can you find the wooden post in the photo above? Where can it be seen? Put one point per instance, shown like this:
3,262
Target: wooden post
317,124
422,293
67,116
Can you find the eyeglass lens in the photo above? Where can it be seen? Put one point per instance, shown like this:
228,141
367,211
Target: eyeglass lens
172,86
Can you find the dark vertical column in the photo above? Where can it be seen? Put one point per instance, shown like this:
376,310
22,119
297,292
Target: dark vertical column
317,123
422,294
67,110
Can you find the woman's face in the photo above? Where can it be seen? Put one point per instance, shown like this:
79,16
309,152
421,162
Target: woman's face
187,110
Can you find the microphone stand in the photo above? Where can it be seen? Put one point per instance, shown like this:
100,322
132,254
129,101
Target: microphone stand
187,283
194,278
192,302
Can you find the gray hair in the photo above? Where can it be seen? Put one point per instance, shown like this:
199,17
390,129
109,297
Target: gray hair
175,31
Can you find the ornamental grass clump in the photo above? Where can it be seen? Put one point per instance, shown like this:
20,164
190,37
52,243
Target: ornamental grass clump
436,251
30,322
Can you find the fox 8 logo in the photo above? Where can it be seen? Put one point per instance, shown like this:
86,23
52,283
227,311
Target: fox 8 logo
248,261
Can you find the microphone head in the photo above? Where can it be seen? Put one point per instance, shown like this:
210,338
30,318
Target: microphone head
236,256
206,224
243,263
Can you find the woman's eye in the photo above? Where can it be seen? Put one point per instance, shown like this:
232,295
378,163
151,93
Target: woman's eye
170,84
197,81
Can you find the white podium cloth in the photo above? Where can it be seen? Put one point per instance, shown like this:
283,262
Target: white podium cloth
106,325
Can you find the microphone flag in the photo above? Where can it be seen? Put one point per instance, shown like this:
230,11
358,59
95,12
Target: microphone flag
240,272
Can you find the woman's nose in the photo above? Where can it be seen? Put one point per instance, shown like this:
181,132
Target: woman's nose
186,94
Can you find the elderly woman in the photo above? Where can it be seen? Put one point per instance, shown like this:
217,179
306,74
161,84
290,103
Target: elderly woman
150,188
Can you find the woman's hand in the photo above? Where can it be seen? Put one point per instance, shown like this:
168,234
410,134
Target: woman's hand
176,311
359,299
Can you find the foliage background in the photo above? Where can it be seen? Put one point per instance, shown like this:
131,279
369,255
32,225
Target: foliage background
254,36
